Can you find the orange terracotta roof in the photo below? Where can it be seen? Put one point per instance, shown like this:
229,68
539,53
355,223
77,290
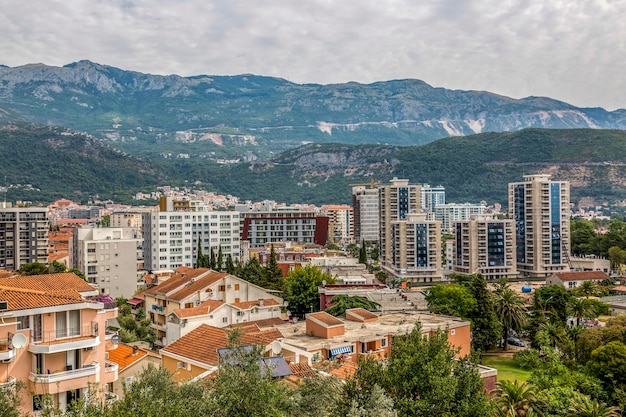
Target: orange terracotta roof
325,318
345,370
198,285
302,370
263,323
56,256
205,308
360,315
246,305
25,292
201,344
619,288
179,279
582,275
123,355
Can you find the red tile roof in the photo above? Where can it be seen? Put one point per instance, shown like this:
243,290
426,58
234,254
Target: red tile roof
203,309
201,344
246,305
123,355
581,275
302,369
186,282
25,292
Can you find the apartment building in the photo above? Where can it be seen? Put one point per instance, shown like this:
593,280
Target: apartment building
432,197
449,213
396,201
110,258
340,223
189,288
132,219
173,233
23,236
262,228
541,211
53,339
366,214
415,249
485,245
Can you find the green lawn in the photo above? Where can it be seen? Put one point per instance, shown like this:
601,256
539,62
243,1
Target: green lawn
507,368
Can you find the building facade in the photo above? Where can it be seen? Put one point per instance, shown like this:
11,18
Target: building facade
23,236
54,340
366,214
173,233
485,245
109,257
541,211
449,213
415,249
395,202
262,228
432,197
340,223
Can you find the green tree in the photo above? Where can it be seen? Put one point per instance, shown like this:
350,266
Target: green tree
551,333
219,263
212,260
451,299
230,266
57,267
580,308
423,378
11,399
301,289
341,303
510,308
273,273
515,399
486,328
33,268
79,273
363,254
608,363
617,257
586,407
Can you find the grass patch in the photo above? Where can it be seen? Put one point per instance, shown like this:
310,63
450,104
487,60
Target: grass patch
507,368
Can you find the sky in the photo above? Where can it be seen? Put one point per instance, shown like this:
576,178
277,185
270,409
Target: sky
569,50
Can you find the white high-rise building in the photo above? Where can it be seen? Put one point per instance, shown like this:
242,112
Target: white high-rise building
109,257
23,236
172,233
541,211
432,197
449,213
366,214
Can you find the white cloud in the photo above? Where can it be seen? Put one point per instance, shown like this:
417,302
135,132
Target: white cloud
571,50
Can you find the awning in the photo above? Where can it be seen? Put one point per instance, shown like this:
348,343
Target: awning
341,350
134,301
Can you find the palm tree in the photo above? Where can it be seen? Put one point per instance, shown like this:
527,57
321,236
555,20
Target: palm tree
516,400
588,288
580,308
553,331
591,408
511,310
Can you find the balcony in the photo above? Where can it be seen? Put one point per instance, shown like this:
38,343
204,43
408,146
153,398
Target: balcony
90,369
110,372
159,326
53,342
9,383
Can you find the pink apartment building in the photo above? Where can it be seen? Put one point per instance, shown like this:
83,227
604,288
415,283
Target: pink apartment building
53,338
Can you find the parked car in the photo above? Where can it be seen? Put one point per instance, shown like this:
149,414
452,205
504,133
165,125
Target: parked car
514,341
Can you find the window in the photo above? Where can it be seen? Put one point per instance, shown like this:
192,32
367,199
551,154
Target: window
225,320
23,322
452,332
181,365
129,380
383,342
67,323
221,288
38,402
236,287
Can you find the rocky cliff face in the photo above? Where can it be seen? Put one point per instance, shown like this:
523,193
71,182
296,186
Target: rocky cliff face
272,114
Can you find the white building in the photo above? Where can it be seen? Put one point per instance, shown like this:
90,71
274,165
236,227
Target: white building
109,257
432,197
366,214
447,214
172,233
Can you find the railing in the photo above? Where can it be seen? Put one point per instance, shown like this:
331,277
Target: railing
10,383
111,397
110,366
87,370
60,335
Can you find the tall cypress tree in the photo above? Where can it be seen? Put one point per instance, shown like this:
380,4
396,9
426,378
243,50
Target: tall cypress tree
212,261
220,259
363,253
273,273
199,256
230,266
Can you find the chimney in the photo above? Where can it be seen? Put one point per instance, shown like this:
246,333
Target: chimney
135,350
261,302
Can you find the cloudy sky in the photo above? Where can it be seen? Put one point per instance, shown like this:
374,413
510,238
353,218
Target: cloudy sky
571,50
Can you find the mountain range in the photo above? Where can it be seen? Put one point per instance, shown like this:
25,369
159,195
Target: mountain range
245,117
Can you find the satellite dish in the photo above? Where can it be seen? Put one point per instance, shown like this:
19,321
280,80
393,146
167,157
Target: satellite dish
18,341
276,347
